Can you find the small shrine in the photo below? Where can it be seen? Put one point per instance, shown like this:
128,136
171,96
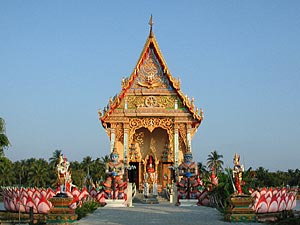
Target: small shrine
240,204
151,122
61,212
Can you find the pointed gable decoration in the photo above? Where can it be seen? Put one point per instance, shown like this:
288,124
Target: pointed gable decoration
152,77
151,70
150,73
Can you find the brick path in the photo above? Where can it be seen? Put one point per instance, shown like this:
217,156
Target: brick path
158,214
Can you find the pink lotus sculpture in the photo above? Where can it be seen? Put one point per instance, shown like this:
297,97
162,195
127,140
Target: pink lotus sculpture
21,199
270,200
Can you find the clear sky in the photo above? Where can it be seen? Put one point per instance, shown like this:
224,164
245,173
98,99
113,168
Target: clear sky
60,61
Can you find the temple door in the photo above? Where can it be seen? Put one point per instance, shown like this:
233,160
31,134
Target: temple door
133,175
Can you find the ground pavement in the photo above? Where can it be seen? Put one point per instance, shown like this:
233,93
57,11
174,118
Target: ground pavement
160,214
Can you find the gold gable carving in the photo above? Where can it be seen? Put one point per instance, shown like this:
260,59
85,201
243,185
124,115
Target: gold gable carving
150,74
151,101
151,123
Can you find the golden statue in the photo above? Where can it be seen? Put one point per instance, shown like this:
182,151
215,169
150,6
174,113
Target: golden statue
238,174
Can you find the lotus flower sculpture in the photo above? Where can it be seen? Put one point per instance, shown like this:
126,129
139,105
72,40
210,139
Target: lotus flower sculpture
270,200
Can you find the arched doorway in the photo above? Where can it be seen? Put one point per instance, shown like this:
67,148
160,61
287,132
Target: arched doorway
154,145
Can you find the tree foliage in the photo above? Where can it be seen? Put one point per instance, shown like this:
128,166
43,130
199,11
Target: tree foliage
41,173
214,161
4,142
6,172
261,177
34,172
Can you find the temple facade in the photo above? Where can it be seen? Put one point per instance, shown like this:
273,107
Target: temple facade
151,123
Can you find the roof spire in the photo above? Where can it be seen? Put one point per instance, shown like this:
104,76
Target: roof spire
151,24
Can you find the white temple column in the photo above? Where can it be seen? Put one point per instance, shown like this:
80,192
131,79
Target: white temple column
176,145
125,104
112,139
188,136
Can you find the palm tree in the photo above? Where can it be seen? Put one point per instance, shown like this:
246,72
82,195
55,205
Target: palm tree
38,173
98,169
295,178
6,172
4,142
52,166
202,170
19,171
55,156
262,177
87,163
105,159
78,177
214,161
78,173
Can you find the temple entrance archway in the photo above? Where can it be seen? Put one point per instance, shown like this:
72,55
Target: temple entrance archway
151,146
154,141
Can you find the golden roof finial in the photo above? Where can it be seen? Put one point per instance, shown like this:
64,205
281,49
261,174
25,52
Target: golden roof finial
151,24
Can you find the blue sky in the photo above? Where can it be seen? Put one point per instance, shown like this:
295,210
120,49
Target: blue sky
60,61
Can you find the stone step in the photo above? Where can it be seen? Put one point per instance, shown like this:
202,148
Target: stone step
151,200
162,199
188,202
116,203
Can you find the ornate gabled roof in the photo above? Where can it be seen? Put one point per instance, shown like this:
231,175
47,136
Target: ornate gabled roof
151,72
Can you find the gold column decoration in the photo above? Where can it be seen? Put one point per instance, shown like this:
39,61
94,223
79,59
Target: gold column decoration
183,132
119,132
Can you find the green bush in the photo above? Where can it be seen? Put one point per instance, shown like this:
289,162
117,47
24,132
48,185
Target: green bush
86,208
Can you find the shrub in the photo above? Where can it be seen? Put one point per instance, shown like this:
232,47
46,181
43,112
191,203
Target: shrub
86,208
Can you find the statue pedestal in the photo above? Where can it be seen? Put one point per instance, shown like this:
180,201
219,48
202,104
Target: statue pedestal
240,209
61,213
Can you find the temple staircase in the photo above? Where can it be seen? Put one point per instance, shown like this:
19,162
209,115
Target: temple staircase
140,198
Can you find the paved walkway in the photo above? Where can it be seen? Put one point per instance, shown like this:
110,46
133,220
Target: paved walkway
158,214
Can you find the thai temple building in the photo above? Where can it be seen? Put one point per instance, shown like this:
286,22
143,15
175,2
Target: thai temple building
151,123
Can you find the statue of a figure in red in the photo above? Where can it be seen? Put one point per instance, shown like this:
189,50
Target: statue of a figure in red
187,187
114,185
238,170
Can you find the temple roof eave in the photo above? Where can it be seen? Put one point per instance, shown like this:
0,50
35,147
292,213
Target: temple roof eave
181,117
